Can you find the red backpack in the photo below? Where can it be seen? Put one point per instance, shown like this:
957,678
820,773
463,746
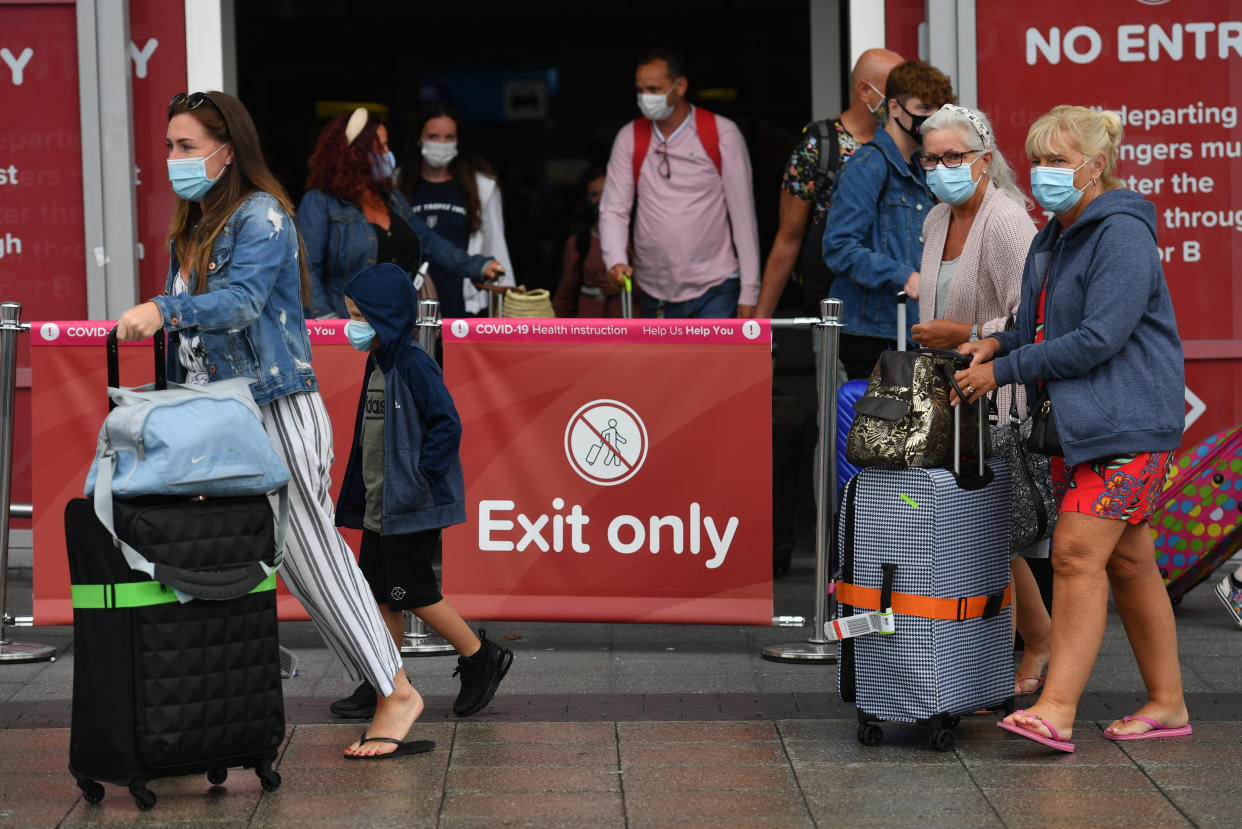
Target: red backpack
704,122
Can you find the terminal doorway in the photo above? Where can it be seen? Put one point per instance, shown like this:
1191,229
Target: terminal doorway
543,88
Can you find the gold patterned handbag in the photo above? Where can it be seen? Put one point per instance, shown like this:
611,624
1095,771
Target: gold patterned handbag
904,420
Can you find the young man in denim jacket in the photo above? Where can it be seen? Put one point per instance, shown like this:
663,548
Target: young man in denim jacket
874,237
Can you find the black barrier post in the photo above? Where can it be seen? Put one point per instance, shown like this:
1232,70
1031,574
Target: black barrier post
817,648
10,326
417,641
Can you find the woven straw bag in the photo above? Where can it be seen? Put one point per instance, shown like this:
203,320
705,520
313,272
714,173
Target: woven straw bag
536,303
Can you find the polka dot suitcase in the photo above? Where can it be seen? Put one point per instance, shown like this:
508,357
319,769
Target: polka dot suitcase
1196,522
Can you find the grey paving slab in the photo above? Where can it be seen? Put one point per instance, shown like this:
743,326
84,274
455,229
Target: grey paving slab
600,808
1019,807
642,753
524,778
721,775
1207,808
536,732
740,808
833,778
898,807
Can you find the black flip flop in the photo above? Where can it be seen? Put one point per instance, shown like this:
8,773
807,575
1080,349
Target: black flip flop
403,749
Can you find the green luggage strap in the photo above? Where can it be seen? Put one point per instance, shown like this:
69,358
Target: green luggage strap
135,594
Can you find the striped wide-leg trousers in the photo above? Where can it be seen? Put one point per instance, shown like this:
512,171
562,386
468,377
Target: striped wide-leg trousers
319,568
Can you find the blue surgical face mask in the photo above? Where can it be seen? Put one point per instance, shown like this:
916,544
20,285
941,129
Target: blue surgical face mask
188,176
383,165
953,185
1053,188
360,334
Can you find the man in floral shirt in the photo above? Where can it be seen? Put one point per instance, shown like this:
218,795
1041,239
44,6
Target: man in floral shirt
807,185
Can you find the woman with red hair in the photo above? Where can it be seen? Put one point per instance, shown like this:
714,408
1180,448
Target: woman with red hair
352,217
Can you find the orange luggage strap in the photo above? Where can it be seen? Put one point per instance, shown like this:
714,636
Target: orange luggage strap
909,604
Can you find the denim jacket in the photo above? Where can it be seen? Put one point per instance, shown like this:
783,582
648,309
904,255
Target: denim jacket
250,318
340,242
423,484
873,240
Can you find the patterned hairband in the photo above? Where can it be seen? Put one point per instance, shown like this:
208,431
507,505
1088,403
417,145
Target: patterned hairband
356,122
985,134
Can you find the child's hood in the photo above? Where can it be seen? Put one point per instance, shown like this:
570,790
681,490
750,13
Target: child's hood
386,297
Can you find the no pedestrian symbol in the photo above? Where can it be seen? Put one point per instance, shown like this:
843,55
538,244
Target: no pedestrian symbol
606,442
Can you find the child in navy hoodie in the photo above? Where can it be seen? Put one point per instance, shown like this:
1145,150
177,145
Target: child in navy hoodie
404,483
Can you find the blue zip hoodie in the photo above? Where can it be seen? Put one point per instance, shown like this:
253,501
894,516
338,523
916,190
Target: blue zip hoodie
423,484
1111,355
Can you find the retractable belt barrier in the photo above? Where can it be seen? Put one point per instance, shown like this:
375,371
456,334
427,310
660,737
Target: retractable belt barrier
617,470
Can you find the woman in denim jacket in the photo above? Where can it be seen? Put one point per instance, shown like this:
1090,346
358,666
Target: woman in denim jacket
351,216
233,303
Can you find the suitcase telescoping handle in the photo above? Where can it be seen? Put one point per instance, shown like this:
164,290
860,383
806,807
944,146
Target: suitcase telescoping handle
901,320
967,480
114,363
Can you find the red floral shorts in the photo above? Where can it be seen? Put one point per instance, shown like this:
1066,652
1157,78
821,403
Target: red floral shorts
1124,488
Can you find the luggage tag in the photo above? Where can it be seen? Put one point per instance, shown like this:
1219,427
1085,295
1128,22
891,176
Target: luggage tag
860,624
875,621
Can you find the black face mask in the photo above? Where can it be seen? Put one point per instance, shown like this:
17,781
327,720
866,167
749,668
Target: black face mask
916,123
592,208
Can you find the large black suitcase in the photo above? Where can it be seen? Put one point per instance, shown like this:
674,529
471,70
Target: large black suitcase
161,687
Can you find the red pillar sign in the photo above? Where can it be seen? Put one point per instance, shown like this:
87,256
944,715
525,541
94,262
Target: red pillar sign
615,470
1172,71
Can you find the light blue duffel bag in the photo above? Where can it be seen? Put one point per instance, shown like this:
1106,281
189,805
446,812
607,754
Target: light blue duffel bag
188,440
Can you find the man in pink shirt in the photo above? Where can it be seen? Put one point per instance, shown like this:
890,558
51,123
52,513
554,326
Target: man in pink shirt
695,243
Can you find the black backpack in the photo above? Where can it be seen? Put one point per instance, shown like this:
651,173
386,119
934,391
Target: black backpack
810,270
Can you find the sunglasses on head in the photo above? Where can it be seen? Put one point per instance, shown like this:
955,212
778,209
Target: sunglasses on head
181,102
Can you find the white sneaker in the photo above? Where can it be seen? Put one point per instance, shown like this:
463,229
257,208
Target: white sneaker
1231,597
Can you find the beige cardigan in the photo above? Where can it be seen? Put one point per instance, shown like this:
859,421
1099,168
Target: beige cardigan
987,284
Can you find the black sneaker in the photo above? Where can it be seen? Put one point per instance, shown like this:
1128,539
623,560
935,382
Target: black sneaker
480,675
360,705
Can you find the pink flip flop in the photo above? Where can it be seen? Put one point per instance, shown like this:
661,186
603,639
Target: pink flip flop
1158,730
1054,742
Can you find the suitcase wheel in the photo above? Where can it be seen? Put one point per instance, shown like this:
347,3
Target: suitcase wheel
269,778
870,734
92,790
144,798
942,739
216,777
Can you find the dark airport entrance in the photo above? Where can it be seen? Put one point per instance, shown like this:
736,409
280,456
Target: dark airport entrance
542,87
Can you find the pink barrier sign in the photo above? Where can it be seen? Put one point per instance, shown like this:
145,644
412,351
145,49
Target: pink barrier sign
608,331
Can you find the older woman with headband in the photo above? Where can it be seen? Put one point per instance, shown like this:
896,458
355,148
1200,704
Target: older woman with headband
1096,335
969,285
351,216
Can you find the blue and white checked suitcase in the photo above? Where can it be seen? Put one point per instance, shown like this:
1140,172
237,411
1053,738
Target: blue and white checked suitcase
947,543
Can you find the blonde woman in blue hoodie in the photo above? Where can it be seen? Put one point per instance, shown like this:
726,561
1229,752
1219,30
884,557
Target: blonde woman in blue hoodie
1096,331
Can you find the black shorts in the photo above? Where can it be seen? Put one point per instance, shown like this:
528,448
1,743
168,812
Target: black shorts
398,568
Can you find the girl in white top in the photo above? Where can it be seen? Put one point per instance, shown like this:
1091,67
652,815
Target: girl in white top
456,193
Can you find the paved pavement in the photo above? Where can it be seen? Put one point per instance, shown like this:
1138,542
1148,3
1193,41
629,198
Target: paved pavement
628,725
